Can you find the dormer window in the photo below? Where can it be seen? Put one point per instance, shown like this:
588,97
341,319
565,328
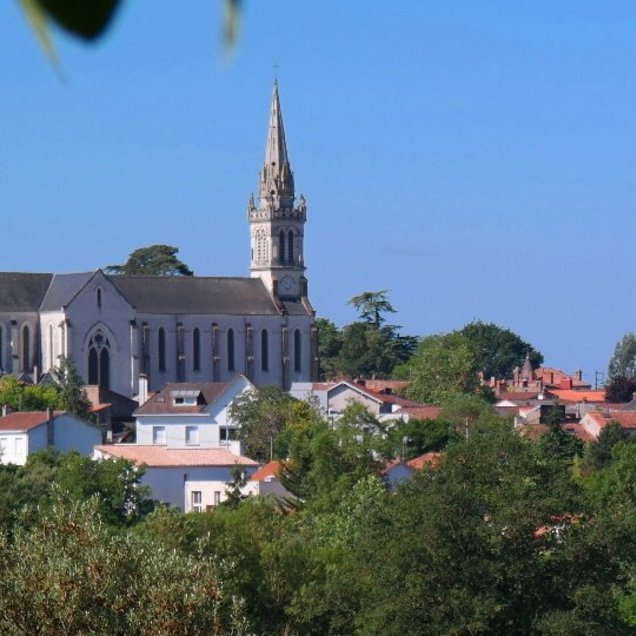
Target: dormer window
185,398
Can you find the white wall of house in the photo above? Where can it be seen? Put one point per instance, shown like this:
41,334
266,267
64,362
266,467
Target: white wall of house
204,495
13,448
174,485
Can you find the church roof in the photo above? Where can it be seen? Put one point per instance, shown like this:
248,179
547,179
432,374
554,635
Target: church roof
196,295
63,289
21,291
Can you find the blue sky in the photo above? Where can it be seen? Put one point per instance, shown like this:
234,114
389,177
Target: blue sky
477,159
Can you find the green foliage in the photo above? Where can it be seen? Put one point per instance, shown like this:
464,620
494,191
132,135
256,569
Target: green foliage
86,20
623,361
154,260
416,437
599,453
329,346
443,366
372,306
67,574
620,389
73,397
498,351
264,416
557,444
27,397
233,493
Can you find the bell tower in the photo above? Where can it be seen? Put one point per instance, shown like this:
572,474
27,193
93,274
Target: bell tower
277,224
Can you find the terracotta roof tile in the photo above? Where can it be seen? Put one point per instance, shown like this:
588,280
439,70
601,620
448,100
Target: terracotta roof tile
269,470
427,459
25,420
423,412
573,396
627,419
162,457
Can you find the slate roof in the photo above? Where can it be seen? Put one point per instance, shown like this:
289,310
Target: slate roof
63,289
162,457
196,295
21,291
162,402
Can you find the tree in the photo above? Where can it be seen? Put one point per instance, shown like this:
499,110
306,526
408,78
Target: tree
623,361
620,389
154,260
599,452
443,366
73,397
233,493
498,351
28,397
415,437
262,417
372,305
329,346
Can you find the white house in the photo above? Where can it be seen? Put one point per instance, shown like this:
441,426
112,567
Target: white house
186,438
24,433
266,481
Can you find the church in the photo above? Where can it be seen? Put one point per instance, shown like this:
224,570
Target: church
117,328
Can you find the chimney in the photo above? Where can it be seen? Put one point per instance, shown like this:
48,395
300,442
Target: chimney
579,374
5,410
143,389
50,430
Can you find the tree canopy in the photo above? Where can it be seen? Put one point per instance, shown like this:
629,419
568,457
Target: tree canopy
498,350
623,361
154,260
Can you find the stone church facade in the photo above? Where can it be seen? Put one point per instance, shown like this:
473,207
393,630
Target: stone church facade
177,329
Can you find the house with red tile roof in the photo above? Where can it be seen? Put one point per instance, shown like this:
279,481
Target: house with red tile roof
186,439
24,433
595,421
266,482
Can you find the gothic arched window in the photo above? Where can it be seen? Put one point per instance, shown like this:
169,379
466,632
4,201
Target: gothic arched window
99,360
297,351
26,349
196,350
281,246
230,349
264,350
161,345
290,247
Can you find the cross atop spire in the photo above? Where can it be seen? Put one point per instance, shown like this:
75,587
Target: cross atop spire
277,180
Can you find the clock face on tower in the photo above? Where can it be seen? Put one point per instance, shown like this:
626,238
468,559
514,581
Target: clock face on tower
287,283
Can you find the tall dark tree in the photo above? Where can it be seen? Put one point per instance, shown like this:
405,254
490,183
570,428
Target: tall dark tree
620,389
73,397
372,306
498,350
329,346
154,260
623,361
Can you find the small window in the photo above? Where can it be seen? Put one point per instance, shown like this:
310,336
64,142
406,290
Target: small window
217,497
161,338
159,435
290,247
227,434
230,350
298,359
196,350
264,350
196,501
192,435
19,445
99,298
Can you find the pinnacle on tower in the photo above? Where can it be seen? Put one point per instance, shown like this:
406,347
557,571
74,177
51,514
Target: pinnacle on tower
277,180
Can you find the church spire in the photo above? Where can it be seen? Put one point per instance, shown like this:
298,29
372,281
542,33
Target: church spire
277,180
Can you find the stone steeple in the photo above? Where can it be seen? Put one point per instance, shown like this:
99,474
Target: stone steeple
276,180
277,224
